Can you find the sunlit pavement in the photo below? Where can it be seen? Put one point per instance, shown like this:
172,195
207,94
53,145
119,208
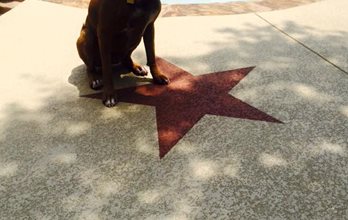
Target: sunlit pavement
63,156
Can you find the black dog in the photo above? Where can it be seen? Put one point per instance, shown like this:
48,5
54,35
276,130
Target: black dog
113,29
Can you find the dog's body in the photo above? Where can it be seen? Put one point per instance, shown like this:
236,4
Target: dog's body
113,29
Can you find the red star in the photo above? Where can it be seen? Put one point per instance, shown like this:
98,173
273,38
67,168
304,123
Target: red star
182,103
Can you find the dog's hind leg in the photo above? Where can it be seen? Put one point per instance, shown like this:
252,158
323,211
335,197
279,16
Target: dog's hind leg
135,68
87,47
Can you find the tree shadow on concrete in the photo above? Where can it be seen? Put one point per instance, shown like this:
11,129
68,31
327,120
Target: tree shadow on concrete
121,79
72,158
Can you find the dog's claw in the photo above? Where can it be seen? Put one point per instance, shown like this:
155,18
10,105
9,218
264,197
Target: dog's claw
140,71
110,101
161,79
97,84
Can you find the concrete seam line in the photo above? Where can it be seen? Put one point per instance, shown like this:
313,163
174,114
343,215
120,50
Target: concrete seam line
302,44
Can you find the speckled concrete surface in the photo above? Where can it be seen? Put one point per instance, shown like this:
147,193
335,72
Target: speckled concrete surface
320,26
66,157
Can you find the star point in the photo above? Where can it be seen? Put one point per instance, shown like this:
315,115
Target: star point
182,103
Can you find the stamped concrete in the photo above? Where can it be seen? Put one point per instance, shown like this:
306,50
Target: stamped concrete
67,157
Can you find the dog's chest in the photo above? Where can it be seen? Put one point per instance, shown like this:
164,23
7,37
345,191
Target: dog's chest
140,13
137,17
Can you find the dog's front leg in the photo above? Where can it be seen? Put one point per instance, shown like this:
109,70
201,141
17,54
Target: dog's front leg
109,96
149,41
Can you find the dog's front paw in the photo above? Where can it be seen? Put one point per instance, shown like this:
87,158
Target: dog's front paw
161,79
109,100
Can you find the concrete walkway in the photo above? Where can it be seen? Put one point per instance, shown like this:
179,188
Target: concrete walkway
67,157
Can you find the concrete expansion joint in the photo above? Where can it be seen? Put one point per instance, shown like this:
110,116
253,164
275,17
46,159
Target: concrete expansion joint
302,44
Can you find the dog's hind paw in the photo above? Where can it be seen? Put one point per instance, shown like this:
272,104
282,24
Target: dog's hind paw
110,101
161,79
139,70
